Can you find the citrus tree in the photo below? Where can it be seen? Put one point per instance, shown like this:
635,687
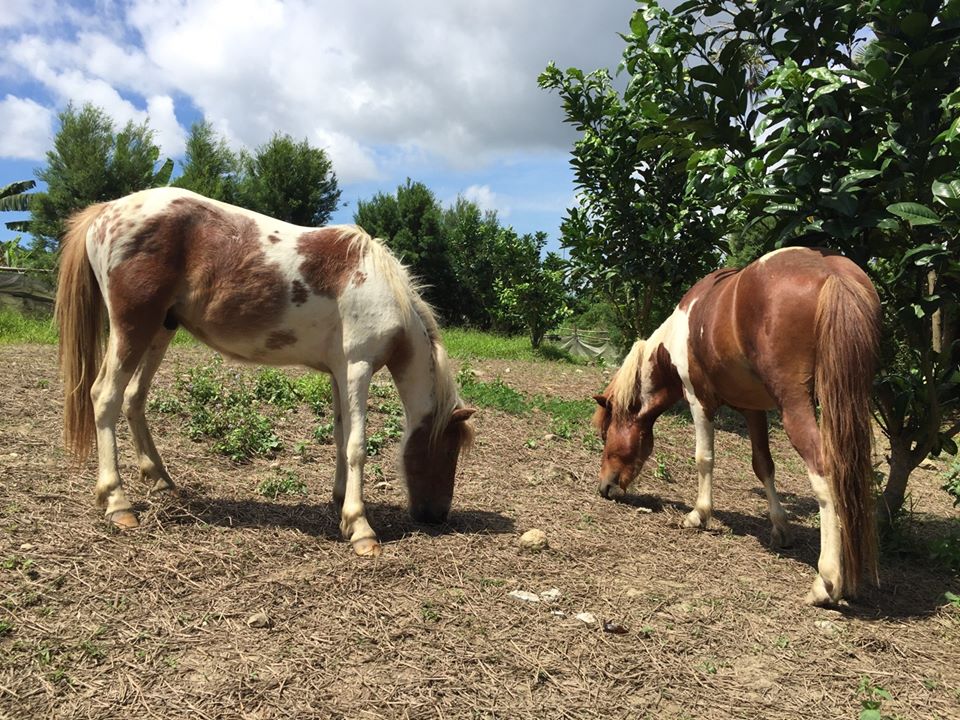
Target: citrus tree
802,122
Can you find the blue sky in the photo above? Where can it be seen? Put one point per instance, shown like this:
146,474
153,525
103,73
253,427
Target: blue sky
440,91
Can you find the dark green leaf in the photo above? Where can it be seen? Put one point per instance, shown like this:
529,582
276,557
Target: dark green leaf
947,192
915,24
705,73
638,26
162,176
914,213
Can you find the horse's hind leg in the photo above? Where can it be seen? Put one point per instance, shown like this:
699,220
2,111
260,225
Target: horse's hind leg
800,422
134,405
107,394
763,467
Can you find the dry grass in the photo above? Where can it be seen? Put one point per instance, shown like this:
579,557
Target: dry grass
154,623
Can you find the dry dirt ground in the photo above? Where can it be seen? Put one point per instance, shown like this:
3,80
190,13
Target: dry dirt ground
699,624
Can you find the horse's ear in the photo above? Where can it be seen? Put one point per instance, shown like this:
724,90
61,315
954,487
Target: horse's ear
601,400
462,414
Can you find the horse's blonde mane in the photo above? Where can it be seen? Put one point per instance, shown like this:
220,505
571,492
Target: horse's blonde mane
627,383
407,292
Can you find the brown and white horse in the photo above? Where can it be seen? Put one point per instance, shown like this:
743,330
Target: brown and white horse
796,326
259,290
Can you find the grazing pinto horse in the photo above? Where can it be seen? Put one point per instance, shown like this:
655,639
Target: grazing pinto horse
259,290
796,326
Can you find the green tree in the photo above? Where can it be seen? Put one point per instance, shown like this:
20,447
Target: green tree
640,233
291,181
532,294
867,158
472,239
822,122
90,162
15,198
209,166
411,223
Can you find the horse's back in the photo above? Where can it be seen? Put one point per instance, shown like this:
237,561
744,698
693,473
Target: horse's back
752,332
253,287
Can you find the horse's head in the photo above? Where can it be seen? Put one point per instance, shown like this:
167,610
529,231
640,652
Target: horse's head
430,464
627,436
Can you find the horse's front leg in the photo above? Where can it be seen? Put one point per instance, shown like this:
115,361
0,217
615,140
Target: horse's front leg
353,392
703,509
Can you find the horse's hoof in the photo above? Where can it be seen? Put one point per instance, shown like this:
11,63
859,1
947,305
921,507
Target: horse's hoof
164,487
123,519
781,538
693,520
367,547
820,595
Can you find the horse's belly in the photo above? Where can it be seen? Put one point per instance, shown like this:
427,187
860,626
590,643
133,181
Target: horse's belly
740,387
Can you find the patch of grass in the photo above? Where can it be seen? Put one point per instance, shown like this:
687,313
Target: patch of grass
162,401
496,394
5,627
182,338
283,482
872,700
221,408
93,651
572,411
662,472
316,391
391,431
709,667
323,434
273,386
466,344
429,612
17,328
565,415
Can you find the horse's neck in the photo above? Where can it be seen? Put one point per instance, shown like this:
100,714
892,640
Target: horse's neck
416,379
661,386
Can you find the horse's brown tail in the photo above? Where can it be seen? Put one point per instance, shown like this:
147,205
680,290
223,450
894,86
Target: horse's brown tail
80,317
847,338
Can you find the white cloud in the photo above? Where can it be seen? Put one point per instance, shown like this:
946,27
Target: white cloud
27,128
168,133
368,80
27,13
351,161
484,198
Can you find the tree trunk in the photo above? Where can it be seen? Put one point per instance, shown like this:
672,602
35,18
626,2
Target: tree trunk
902,463
936,320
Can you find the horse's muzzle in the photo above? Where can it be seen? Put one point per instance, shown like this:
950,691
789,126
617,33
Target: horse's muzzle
429,516
611,490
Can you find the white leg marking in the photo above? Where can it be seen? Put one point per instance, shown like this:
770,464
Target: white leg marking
781,535
353,404
703,510
828,585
